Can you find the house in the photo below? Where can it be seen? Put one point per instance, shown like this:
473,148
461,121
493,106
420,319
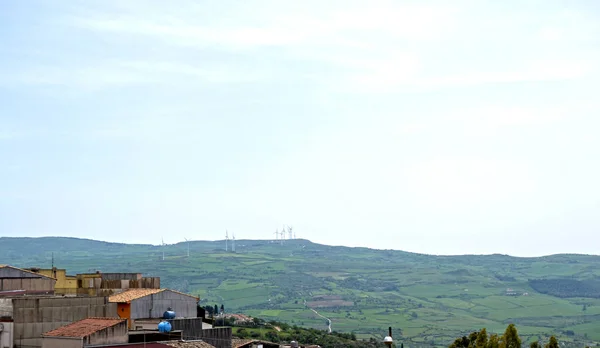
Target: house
16,281
65,284
86,332
136,304
26,318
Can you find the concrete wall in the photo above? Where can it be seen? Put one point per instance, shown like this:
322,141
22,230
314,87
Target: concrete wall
6,307
34,316
62,342
17,279
219,337
6,336
40,285
153,306
191,328
121,276
111,335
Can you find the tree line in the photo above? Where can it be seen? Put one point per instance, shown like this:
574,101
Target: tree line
510,339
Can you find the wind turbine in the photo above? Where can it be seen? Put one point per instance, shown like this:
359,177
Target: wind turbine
188,247
276,234
162,243
233,243
226,240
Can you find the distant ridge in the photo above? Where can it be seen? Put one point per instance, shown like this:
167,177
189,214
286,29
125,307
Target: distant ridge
82,241
362,290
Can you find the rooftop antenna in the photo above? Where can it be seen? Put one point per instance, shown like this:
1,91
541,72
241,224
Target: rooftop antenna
233,242
163,247
188,247
226,240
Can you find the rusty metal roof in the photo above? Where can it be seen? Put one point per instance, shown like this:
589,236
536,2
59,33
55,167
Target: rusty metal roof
84,327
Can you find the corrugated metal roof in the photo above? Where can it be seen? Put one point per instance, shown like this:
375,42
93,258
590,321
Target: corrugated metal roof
84,327
134,294
26,271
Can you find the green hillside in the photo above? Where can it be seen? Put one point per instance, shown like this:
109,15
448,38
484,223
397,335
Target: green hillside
427,299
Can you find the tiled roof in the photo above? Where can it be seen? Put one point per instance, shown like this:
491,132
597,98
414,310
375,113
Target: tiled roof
134,294
189,344
240,342
84,327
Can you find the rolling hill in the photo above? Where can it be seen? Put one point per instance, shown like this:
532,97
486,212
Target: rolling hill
429,300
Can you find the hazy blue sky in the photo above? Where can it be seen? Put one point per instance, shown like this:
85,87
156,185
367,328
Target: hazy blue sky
433,126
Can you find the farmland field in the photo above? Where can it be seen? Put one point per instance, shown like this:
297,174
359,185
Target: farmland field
429,300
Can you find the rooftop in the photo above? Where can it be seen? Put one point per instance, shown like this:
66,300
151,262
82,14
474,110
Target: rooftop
134,294
26,271
188,344
84,327
240,342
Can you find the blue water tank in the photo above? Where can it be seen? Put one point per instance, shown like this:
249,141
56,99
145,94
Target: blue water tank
164,326
169,314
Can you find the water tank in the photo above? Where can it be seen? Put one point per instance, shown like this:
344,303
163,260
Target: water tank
164,326
169,314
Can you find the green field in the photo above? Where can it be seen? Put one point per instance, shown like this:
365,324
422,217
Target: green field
429,300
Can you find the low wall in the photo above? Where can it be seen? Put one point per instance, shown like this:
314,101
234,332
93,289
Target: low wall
219,337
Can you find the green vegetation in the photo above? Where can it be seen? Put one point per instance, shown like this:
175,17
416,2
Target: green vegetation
510,339
428,300
278,332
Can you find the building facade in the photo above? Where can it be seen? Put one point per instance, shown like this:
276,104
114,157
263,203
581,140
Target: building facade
16,281
87,332
137,304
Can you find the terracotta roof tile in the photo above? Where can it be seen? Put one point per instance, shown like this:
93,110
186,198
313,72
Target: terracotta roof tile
239,342
188,344
133,294
84,327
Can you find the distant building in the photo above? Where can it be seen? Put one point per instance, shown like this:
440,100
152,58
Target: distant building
87,332
136,304
65,284
16,281
97,283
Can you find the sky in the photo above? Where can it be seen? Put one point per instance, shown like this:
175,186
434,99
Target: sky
439,127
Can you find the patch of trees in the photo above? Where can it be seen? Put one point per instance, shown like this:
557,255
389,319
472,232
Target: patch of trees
371,285
306,336
510,339
567,287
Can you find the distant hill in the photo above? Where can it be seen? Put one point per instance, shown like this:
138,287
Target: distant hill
429,300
